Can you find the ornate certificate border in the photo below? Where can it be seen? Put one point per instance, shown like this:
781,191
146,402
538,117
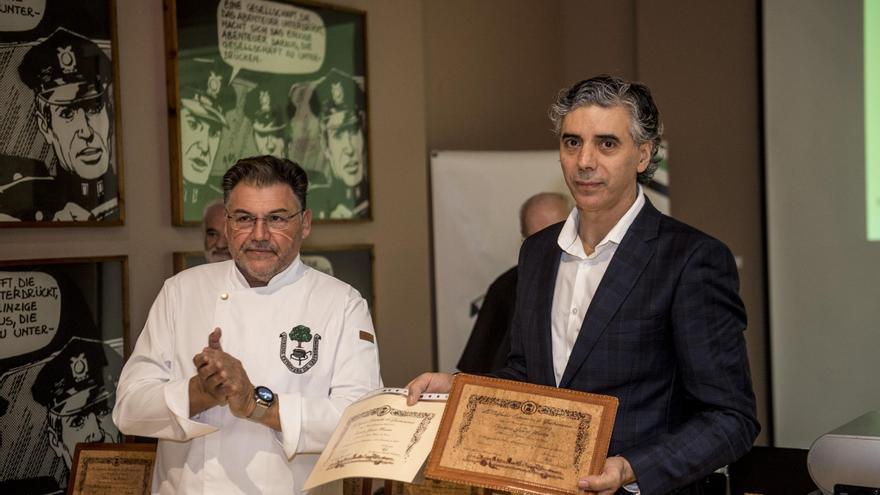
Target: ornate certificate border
425,420
517,436
124,468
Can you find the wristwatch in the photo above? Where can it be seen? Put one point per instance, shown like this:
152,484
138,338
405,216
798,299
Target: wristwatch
265,398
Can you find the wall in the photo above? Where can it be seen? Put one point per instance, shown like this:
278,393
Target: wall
491,65
823,270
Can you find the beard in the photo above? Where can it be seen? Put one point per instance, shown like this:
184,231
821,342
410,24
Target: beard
215,255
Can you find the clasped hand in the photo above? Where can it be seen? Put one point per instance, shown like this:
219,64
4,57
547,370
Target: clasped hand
222,378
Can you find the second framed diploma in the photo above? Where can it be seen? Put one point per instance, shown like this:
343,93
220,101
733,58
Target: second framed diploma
517,436
112,468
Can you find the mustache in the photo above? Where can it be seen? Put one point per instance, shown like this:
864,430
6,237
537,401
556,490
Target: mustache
259,246
586,174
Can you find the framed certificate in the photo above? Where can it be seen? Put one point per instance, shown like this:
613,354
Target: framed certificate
516,436
117,468
379,436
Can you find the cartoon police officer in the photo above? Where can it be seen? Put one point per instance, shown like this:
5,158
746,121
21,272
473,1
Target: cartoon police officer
205,96
71,76
270,111
77,387
339,104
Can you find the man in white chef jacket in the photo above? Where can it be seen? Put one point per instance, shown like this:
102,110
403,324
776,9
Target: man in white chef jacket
245,366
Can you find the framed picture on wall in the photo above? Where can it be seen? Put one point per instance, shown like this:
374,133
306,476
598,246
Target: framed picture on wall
60,138
353,264
267,77
63,339
187,259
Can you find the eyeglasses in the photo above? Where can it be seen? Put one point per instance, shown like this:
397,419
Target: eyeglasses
245,222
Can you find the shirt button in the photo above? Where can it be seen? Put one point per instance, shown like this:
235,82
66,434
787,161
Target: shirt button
574,311
224,296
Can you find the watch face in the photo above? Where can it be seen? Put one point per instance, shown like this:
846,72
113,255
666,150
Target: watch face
264,394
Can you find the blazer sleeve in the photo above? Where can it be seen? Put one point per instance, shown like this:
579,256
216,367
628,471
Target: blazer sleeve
707,321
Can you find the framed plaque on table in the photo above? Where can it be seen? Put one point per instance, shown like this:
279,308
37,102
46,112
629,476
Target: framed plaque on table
516,436
112,468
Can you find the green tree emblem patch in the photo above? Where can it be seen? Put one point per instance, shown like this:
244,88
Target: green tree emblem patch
301,358
301,333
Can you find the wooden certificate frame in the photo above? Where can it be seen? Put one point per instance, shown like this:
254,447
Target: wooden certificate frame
118,468
516,436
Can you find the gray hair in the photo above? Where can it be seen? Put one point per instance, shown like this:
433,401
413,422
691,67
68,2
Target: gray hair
609,91
212,204
267,170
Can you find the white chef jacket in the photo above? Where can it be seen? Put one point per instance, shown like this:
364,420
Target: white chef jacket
214,452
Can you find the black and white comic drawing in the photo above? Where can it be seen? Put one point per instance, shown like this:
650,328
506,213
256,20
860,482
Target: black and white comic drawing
59,162
61,352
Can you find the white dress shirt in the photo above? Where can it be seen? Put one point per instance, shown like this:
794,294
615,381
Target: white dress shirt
214,452
578,278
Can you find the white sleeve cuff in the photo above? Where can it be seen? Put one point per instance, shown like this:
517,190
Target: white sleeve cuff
290,417
632,488
177,399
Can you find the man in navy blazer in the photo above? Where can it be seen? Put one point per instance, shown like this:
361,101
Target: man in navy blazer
622,300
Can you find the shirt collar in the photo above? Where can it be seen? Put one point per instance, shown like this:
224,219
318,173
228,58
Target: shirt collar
570,242
288,276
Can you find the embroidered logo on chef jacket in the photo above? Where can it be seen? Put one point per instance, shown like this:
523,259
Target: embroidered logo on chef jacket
304,354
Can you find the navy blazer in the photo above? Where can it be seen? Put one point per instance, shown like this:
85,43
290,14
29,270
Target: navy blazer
663,334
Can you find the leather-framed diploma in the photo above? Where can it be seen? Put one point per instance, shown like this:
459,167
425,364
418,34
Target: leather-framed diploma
516,436
112,468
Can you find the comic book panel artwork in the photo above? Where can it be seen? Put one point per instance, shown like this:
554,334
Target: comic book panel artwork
61,352
59,141
267,77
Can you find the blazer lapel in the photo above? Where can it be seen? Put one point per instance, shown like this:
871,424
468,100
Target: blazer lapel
543,308
626,266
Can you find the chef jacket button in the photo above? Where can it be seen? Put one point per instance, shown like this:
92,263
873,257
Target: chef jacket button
224,296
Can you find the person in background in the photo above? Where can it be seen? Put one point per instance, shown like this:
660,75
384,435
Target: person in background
624,301
214,222
489,343
243,369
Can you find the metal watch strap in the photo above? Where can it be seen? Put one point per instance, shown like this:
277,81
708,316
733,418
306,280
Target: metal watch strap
258,412
260,405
